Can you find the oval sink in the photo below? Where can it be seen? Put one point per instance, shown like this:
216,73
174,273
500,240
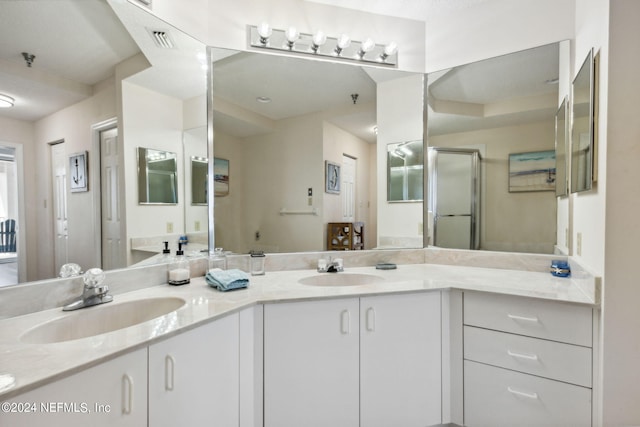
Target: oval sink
100,319
340,279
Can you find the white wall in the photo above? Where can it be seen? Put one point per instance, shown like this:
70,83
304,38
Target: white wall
513,222
621,317
151,120
399,104
336,143
22,133
73,125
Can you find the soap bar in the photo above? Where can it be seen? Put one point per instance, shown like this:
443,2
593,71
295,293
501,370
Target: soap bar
560,268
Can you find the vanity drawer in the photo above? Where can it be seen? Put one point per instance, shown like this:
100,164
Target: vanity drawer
549,359
499,397
531,317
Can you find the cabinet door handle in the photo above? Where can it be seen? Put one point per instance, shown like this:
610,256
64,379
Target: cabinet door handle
522,393
371,319
169,366
522,355
523,318
127,394
345,322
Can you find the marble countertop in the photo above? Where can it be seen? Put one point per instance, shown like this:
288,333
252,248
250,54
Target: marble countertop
34,365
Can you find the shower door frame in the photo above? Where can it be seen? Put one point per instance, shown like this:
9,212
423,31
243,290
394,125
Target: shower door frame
474,232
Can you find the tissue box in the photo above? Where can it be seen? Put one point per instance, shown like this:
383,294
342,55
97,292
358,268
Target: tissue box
560,268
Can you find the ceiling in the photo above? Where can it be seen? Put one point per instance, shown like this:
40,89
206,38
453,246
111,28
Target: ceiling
76,45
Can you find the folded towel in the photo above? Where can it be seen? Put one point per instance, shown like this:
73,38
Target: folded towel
227,280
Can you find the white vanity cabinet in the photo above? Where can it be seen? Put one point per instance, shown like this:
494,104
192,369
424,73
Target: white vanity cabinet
373,361
113,393
526,361
194,376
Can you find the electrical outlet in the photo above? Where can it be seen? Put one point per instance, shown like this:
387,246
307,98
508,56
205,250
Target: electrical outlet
169,227
197,226
257,235
310,201
566,237
420,228
579,244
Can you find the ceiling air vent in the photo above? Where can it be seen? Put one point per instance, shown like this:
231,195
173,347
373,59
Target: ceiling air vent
162,39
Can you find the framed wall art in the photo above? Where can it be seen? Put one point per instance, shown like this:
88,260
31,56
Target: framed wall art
78,179
535,171
332,177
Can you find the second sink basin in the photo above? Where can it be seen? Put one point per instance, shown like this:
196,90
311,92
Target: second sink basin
340,279
100,319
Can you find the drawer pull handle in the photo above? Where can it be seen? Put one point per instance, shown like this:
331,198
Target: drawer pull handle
525,319
169,367
345,322
522,355
522,393
127,394
371,319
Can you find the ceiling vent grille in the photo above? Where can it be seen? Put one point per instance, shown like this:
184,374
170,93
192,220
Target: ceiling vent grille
162,39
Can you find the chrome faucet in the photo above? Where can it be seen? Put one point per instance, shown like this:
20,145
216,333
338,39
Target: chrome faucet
93,293
330,266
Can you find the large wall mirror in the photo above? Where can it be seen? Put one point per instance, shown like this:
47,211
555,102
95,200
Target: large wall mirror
500,107
118,71
157,176
582,127
278,120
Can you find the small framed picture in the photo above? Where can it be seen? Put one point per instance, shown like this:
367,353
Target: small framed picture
332,177
78,179
534,171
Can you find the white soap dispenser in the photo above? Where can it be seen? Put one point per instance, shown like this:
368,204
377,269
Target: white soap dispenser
179,272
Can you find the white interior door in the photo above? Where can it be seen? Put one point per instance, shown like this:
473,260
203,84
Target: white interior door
113,251
60,220
348,186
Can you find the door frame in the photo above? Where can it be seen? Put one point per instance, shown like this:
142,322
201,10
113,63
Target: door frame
21,242
96,182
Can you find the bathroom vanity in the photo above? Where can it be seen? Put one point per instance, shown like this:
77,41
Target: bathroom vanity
417,346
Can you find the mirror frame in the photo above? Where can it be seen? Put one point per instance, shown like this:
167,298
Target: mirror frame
562,145
144,181
586,73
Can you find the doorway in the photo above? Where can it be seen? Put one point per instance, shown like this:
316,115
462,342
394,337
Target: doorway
348,186
8,216
60,218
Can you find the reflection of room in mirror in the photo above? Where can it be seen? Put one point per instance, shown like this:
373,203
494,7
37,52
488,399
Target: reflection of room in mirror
504,113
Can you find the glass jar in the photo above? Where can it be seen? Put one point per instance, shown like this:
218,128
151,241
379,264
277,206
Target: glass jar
218,259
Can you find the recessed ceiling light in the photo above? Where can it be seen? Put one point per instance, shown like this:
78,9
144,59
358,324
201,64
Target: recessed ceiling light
6,101
263,99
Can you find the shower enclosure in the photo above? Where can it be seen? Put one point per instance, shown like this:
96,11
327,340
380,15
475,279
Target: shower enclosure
454,197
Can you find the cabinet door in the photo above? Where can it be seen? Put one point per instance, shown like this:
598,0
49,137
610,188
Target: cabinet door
400,360
111,394
194,377
311,364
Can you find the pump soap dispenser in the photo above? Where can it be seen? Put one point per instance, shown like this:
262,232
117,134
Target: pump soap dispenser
179,273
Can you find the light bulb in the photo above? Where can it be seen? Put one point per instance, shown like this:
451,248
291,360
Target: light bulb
343,42
365,47
291,35
389,50
318,40
264,31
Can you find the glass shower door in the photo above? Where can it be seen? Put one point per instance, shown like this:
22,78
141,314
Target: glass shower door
455,198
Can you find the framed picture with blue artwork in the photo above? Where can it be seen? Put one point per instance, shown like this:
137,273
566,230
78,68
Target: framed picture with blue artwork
332,177
534,171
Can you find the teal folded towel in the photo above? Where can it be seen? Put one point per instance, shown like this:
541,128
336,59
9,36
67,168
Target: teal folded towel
227,280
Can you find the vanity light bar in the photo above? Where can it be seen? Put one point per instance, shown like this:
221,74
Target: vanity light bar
319,45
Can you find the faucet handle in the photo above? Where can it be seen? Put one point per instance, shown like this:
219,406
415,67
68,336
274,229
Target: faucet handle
93,278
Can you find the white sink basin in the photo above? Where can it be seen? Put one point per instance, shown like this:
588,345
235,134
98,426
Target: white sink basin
340,279
100,319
